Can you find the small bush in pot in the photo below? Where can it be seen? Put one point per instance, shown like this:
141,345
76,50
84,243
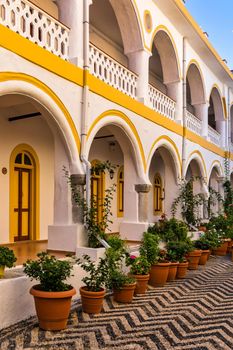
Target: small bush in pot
7,259
92,294
177,251
139,269
123,286
203,244
52,296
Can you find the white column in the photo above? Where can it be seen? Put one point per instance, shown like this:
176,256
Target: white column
201,111
71,14
139,64
175,92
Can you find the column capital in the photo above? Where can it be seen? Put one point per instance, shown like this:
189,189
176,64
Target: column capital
142,188
78,179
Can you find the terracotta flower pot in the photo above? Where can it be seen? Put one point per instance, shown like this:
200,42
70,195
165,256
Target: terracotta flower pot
204,257
141,283
202,228
172,271
92,302
52,308
210,252
230,243
2,269
158,274
193,258
222,250
182,269
124,294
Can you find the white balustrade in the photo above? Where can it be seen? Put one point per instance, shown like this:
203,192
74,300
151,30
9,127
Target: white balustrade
161,103
31,22
214,136
111,72
193,123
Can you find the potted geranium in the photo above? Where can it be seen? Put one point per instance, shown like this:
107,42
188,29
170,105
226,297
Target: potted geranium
52,296
139,269
92,294
7,259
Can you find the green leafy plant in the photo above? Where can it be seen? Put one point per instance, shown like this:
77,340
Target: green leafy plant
214,197
95,228
202,243
138,265
188,201
49,271
176,250
212,236
118,279
97,274
170,230
223,225
7,257
150,247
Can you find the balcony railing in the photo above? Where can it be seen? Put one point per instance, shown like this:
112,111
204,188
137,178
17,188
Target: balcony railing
161,103
111,72
31,22
193,123
214,136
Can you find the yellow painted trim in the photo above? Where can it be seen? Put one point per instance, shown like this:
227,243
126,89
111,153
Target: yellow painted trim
199,31
202,159
101,181
128,121
204,143
36,215
167,138
224,107
102,89
7,76
195,62
120,214
217,163
145,14
23,47
163,28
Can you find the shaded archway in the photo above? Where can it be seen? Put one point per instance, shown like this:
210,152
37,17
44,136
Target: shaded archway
163,65
215,110
115,28
195,96
215,189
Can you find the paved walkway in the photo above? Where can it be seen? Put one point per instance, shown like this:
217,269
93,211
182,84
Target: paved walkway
195,313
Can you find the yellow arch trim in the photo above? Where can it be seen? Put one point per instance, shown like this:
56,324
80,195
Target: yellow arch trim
128,121
167,138
36,215
224,107
202,159
216,162
163,28
7,76
196,63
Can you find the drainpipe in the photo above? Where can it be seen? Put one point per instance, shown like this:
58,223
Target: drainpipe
184,109
85,102
229,127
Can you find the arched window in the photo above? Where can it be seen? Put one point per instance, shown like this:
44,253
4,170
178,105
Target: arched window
120,192
158,191
97,190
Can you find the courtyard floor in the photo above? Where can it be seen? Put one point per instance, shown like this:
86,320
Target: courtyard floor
195,313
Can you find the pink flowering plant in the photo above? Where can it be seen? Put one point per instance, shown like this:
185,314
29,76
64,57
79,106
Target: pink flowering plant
138,265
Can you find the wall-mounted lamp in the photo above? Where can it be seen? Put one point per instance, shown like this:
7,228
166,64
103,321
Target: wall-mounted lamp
111,173
112,146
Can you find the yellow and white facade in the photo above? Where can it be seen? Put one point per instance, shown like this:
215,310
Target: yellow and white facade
130,81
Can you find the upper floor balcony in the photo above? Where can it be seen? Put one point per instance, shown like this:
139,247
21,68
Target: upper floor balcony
154,79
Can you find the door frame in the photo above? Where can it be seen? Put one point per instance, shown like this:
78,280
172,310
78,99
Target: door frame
35,189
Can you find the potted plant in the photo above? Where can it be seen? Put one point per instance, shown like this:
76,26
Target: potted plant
92,294
204,245
7,259
118,281
52,296
139,269
193,258
178,250
159,267
172,257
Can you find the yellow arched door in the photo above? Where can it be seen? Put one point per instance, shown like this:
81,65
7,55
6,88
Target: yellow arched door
23,197
97,191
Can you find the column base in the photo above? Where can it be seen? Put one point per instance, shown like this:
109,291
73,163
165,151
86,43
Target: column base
133,231
66,237
94,253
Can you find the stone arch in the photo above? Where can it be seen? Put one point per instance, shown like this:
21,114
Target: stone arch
166,142
25,85
215,111
195,89
216,165
197,157
129,138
